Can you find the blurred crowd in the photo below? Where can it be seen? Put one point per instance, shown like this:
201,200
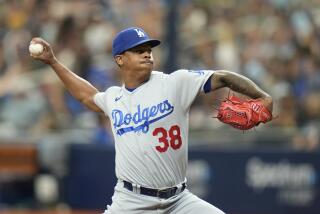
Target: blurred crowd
276,43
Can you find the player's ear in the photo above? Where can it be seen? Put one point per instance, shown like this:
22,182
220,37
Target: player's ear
119,60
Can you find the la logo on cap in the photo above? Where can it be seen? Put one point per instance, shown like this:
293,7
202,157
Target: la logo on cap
139,32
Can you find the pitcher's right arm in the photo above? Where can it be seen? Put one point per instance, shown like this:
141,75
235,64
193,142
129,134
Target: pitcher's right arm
78,87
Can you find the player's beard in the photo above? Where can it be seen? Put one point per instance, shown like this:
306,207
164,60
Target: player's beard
144,74
146,68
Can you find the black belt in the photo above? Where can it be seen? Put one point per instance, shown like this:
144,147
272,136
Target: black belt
160,193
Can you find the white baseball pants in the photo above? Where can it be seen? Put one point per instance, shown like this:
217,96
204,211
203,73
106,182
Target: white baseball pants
126,202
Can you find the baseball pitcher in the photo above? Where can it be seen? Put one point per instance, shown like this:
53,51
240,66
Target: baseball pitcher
149,116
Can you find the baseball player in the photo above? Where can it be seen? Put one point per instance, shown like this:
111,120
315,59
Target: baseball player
149,116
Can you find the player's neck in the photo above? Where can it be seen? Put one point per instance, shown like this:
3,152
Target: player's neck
135,79
132,84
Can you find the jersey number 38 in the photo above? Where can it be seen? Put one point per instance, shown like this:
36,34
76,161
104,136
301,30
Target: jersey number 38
174,141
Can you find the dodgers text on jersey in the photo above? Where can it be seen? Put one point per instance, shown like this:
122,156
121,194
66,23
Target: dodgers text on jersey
141,118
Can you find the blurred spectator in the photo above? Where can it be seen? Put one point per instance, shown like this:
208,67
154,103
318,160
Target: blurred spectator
307,139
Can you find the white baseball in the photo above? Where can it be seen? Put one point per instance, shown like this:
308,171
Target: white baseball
36,49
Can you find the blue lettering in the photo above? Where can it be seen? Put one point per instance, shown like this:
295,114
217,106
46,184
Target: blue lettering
117,117
137,116
161,107
199,72
145,114
127,119
168,105
144,117
153,111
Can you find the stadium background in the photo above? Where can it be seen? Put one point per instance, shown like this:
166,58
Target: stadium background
57,156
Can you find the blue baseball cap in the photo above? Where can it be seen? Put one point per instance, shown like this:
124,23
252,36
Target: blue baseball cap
129,38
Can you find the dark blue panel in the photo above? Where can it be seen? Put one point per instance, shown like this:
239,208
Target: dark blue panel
91,178
246,181
263,182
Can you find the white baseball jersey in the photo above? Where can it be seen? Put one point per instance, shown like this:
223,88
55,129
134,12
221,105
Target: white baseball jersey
150,126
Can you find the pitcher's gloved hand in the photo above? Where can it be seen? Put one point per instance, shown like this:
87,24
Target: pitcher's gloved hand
243,114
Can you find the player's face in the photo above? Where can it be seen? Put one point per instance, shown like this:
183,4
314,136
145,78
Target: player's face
139,58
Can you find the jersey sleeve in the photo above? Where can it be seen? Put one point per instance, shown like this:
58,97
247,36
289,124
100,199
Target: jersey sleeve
100,100
189,83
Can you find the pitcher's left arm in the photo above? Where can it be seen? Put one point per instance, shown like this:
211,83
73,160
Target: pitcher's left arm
241,84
